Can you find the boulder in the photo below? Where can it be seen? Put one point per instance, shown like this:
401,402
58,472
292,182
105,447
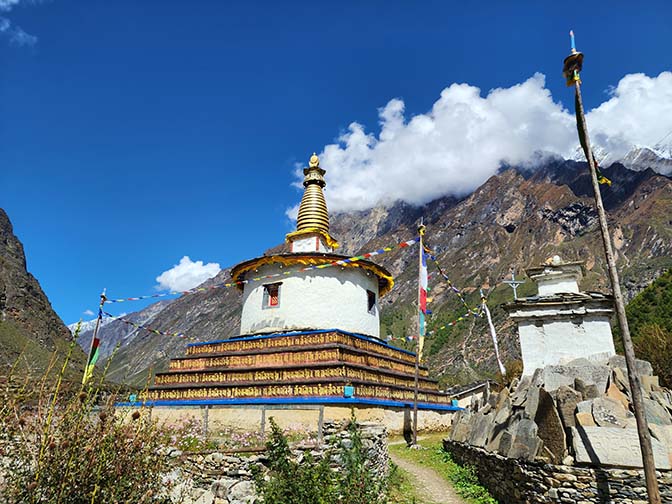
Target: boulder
567,398
461,426
650,384
613,392
613,446
553,377
644,368
506,440
532,402
655,413
481,427
663,433
525,444
585,406
664,398
550,428
520,392
609,412
584,419
242,492
587,390
499,430
620,378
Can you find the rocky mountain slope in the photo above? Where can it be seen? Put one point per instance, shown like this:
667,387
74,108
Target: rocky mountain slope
30,330
515,219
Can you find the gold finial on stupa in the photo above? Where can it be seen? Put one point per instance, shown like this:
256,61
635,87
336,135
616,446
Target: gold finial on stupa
313,215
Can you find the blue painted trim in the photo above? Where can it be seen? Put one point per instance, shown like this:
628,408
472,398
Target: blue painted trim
302,333
295,400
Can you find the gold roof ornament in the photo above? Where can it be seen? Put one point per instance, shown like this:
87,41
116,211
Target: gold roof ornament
313,217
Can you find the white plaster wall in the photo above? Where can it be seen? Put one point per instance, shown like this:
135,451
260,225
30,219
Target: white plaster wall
561,284
249,418
331,298
312,243
561,340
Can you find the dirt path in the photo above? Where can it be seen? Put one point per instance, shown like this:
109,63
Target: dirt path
430,487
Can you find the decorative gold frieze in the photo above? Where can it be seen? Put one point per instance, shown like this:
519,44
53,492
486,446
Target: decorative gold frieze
297,341
286,375
288,390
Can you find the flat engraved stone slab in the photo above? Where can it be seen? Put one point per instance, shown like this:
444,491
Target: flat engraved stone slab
611,446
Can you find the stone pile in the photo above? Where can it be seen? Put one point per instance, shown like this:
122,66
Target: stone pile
578,413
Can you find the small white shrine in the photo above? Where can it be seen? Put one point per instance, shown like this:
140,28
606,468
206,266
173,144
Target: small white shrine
561,323
344,296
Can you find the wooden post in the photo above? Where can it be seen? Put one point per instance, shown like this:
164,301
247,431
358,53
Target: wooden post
320,426
633,375
205,421
263,422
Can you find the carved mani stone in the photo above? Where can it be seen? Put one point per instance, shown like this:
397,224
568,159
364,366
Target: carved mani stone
567,399
611,446
550,428
610,413
526,444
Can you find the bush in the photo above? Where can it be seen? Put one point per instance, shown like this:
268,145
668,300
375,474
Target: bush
654,344
291,482
294,481
64,448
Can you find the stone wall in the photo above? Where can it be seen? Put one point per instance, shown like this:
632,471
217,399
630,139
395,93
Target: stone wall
517,481
226,478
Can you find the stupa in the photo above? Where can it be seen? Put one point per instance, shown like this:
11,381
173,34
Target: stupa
306,337
561,323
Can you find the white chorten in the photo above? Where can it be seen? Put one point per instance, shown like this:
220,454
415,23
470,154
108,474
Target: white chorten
344,297
561,323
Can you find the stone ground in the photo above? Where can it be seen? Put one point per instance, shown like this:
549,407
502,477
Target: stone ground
430,487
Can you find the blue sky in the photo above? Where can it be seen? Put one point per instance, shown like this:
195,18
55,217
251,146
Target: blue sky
134,133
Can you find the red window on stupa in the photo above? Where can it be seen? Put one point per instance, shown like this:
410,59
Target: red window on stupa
271,295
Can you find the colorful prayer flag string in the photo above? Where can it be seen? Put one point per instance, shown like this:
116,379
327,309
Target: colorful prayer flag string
470,313
144,327
457,291
340,262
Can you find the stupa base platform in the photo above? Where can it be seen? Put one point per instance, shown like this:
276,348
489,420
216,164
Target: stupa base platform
319,366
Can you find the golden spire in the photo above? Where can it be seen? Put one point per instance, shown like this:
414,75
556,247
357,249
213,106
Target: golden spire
313,215
313,209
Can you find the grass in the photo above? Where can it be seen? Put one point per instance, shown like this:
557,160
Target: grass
432,455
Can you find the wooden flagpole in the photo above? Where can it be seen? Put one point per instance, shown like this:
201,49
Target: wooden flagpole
633,376
421,232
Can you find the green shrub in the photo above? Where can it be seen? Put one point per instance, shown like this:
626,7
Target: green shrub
71,448
292,481
654,344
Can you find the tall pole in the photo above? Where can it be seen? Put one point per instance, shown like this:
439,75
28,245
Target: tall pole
421,232
633,376
95,343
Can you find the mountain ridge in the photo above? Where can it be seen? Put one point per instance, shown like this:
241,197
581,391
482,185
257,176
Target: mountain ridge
30,330
517,218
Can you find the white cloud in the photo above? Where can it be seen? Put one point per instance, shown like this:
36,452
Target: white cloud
639,112
8,5
465,137
88,313
15,34
186,275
